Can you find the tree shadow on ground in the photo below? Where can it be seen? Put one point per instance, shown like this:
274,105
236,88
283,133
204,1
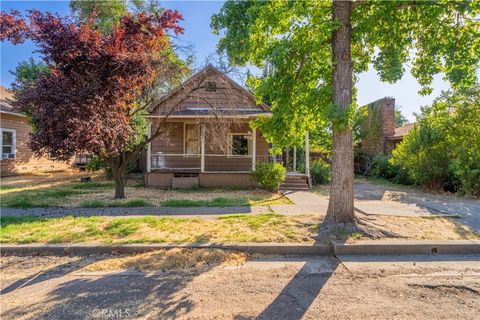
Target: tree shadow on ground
129,293
305,286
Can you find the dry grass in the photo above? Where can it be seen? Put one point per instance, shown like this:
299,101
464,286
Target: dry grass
65,190
226,229
171,259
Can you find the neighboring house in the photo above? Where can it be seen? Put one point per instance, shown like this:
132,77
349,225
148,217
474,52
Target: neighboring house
16,156
378,133
208,140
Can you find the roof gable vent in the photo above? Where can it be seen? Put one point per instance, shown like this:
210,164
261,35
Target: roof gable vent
210,86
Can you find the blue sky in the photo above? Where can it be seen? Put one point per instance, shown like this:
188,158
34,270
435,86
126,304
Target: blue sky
198,33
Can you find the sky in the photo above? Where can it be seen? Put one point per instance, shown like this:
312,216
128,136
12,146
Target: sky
199,35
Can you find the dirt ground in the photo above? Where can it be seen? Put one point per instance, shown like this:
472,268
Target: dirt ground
267,287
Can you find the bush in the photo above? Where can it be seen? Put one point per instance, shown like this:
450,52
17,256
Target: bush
382,167
319,172
442,151
269,175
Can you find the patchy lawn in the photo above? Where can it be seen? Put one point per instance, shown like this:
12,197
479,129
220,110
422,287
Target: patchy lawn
47,191
150,229
223,229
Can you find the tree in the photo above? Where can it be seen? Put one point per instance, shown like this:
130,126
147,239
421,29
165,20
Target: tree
400,119
27,73
89,101
443,149
108,13
317,48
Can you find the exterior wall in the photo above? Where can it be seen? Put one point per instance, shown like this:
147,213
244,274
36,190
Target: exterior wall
207,180
159,180
226,179
378,125
25,161
173,143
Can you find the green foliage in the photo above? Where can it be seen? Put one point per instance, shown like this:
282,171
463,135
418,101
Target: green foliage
97,163
319,172
27,72
291,41
400,119
384,169
269,175
443,150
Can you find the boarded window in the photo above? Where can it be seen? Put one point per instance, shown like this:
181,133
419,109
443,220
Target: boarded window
192,143
8,144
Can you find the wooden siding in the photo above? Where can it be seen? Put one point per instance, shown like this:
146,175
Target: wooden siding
173,144
25,161
225,96
194,93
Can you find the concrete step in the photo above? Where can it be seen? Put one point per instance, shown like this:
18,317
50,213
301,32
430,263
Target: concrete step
296,182
286,186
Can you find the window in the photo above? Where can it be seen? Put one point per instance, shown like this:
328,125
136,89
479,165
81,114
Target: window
191,134
240,144
210,86
8,144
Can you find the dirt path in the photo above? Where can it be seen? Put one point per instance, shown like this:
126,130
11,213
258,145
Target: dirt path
267,288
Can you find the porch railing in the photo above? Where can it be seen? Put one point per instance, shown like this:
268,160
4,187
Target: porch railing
213,162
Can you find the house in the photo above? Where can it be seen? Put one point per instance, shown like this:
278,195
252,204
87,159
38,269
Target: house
17,157
207,139
377,131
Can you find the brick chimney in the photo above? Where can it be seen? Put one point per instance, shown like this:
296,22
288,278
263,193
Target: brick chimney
387,107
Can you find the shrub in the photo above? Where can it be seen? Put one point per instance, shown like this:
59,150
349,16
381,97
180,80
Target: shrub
269,175
319,172
382,167
442,151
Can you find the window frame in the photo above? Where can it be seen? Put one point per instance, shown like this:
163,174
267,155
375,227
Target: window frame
249,144
185,140
13,145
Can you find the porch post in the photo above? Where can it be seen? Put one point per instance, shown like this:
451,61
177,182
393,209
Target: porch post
254,148
202,148
149,147
307,155
294,159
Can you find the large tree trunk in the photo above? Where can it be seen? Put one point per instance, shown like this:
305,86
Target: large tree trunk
340,205
118,172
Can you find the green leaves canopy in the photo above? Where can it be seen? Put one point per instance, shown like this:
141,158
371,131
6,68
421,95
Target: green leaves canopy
292,41
444,147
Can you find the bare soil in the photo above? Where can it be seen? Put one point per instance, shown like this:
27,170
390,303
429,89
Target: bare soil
263,288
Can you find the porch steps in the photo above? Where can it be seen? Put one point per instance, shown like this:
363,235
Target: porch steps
295,182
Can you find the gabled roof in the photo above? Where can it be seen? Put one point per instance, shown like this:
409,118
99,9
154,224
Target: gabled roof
179,94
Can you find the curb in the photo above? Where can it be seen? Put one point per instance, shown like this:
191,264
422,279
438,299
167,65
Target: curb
280,249
407,247
336,248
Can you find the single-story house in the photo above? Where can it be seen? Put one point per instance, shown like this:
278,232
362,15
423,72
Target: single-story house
207,140
17,157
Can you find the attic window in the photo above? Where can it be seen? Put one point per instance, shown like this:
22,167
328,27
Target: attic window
210,86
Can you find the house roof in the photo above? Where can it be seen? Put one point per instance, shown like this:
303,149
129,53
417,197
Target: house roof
179,95
402,131
6,97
